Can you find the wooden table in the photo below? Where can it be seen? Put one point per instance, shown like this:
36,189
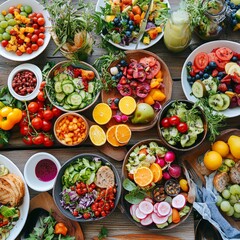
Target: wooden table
117,223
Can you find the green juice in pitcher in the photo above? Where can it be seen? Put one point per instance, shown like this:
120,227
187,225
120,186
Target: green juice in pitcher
177,31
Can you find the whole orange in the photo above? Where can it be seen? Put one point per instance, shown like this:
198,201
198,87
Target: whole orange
221,147
212,160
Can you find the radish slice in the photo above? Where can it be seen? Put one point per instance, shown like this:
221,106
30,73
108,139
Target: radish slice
147,220
140,214
133,209
170,213
179,201
164,208
148,199
155,207
146,207
159,220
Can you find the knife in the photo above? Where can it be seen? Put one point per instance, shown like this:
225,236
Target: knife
143,24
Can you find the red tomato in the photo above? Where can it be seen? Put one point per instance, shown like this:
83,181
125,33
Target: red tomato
41,96
11,10
224,53
201,60
40,42
165,122
34,47
47,141
41,35
34,38
37,123
86,215
42,29
19,53
4,43
25,130
39,15
23,122
182,127
41,21
29,50
56,112
33,107
37,140
48,114
42,85
46,125
28,140
174,120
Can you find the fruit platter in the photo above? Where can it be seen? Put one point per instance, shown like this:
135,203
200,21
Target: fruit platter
157,194
144,85
222,156
211,72
123,19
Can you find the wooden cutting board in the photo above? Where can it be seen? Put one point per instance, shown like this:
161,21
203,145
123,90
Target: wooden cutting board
44,200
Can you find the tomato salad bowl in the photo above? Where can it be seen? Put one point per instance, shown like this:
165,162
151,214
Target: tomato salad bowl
156,188
80,192
212,72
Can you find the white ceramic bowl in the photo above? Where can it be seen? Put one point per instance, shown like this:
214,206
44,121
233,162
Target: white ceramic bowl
208,47
30,172
37,72
38,8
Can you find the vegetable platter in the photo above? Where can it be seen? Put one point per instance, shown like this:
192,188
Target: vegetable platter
212,72
15,229
18,41
157,193
225,166
145,78
122,22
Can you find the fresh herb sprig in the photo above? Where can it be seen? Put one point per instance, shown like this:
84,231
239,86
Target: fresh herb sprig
103,233
136,194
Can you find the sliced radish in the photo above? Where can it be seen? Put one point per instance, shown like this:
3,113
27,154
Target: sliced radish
155,208
140,214
179,201
146,207
159,220
147,220
148,199
170,213
133,209
164,208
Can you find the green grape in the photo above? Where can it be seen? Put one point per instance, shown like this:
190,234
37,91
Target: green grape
6,36
3,24
236,215
12,22
8,16
230,212
2,18
237,207
225,206
232,199
235,189
9,28
2,30
226,194
28,9
23,14
219,200
1,37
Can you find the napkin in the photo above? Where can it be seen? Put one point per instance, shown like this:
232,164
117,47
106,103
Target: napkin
206,206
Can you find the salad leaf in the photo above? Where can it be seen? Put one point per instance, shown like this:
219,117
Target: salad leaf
129,185
103,233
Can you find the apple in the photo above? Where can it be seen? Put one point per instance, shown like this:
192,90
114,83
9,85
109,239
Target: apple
144,113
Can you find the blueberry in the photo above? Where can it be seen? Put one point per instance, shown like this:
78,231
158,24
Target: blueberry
114,78
200,73
221,74
123,63
189,64
234,22
191,83
232,5
118,75
197,76
131,27
212,64
128,33
130,22
234,59
116,101
189,78
205,75
219,78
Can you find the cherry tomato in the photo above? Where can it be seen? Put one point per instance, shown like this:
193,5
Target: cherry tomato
23,122
41,35
174,120
34,38
103,214
75,213
37,123
201,60
182,127
42,85
40,42
96,213
165,122
19,53
42,29
34,47
41,96
4,43
224,53
39,15
25,130
37,140
41,21
11,10
48,114
86,215
46,125
56,112
33,107
29,50
28,140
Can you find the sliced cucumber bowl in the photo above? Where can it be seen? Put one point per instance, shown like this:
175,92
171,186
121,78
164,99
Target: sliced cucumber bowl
73,86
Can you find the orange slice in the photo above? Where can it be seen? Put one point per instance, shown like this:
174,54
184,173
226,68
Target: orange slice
123,133
97,135
102,113
111,138
127,105
157,172
143,176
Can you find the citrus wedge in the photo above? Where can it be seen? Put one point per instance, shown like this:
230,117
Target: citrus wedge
127,105
97,135
123,133
143,176
111,138
102,113
157,172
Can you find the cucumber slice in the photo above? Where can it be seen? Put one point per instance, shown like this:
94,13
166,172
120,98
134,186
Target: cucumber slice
82,105
82,94
91,87
75,99
60,96
66,81
68,88
78,83
66,106
56,78
216,102
199,89
62,76
210,84
58,87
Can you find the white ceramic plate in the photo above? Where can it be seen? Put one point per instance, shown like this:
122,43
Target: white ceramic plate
26,200
208,47
132,46
37,7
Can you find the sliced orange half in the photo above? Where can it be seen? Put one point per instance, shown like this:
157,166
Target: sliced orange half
123,133
143,176
111,137
97,135
127,105
102,113
157,172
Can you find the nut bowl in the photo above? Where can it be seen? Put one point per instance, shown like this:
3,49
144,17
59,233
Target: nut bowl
180,126
149,166
24,81
82,183
65,128
73,86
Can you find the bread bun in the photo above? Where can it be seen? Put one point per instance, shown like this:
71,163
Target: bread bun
105,177
220,181
235,173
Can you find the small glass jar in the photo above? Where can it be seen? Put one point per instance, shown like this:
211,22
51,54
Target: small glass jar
212,26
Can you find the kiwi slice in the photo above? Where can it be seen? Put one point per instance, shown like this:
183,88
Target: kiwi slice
188,139
210,84
216,102
196,126
199,89
226,101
